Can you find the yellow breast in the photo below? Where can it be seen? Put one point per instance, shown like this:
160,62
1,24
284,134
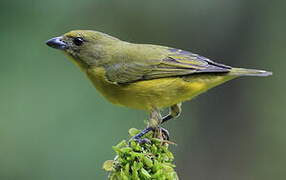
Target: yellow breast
158,93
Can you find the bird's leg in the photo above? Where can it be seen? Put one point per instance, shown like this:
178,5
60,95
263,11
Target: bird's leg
153,125
155,121
155,118
174,112
138,137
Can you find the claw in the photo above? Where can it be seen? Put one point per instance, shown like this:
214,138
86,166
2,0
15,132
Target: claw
159,132
142,141
165,133
138,138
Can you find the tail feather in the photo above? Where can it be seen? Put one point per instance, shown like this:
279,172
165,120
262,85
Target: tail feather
249,72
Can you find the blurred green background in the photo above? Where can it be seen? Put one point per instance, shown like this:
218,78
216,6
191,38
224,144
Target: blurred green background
54,125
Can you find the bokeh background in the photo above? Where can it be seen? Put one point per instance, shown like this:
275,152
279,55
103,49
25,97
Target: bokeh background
54,125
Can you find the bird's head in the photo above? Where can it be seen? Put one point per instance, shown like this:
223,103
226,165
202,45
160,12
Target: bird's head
85,47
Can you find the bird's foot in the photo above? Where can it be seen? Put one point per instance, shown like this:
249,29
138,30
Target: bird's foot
138,137
159,133
164,135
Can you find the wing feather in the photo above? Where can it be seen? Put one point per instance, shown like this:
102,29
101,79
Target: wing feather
176,63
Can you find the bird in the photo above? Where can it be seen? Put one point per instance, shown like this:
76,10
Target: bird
145,76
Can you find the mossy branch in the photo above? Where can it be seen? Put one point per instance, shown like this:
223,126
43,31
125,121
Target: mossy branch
136,161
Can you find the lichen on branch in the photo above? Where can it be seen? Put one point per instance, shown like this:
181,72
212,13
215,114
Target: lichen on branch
136,161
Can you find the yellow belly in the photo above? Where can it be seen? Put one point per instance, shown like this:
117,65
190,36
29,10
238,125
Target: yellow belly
158,93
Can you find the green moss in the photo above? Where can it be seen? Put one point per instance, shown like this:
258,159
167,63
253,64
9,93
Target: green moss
141,161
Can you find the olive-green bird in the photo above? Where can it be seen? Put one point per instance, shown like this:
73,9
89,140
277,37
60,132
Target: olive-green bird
144,76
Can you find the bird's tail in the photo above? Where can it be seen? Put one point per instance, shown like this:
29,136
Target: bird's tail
248,72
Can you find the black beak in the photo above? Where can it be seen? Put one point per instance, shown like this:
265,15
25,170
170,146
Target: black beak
57,43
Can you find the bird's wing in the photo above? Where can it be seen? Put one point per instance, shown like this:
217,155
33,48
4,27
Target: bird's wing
176,63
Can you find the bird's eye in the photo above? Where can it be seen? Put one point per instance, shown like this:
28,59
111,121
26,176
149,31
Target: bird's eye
78,41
